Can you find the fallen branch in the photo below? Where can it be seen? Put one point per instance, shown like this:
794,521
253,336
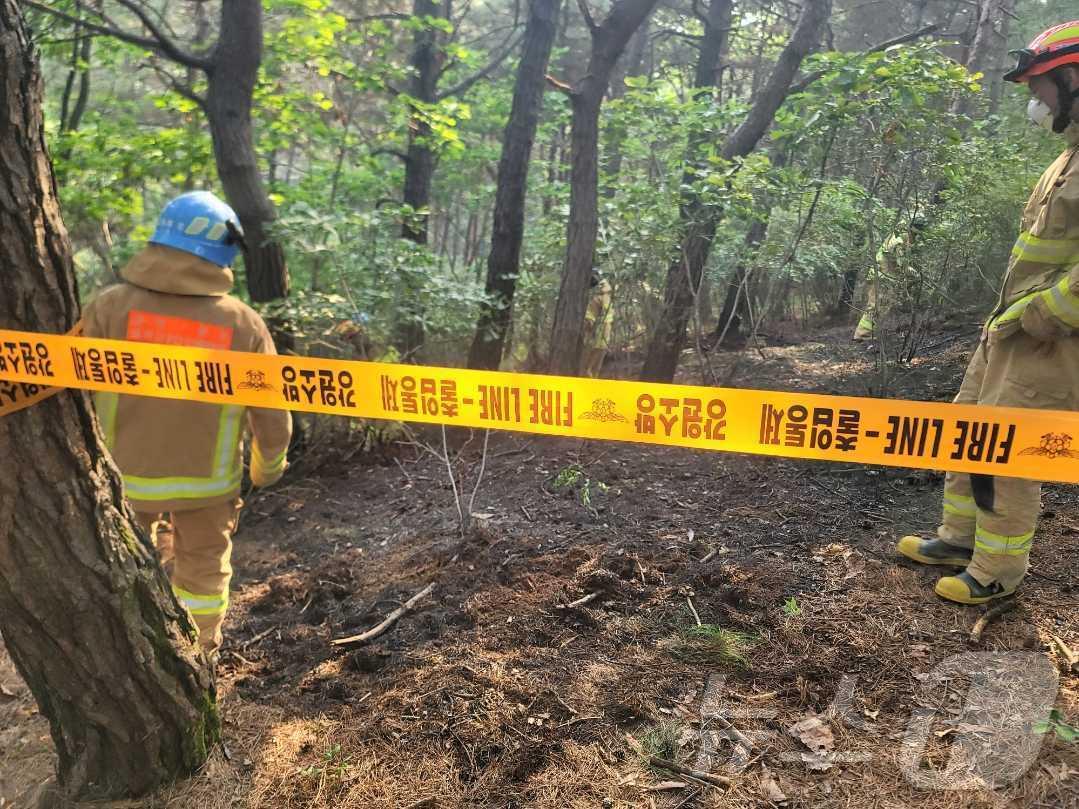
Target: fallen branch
700,775
580,602
1070,655
733,732
694,611
391,619
689,798
257,638
988,616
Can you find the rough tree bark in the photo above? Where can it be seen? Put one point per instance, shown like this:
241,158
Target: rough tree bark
86,612
609,39
231,66
503,262
699,225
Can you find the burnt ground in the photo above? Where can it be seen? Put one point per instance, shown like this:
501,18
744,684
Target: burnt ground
497,691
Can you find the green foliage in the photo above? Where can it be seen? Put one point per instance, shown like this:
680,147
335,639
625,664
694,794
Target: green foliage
664,741
1058,726
709,643
573,479
875,140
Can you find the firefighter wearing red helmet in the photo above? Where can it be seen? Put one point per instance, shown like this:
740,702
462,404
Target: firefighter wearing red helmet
1028,355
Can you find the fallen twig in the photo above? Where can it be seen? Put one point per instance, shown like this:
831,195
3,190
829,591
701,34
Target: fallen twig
258,637
1070,655
733,732
988,616
693,609
580,602
390,620
707,556
689,798
700,775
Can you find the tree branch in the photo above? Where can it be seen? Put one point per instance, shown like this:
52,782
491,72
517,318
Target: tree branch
392,152
166,46
589,20
491,66
155,45
178,86
559,86
802,85
393,15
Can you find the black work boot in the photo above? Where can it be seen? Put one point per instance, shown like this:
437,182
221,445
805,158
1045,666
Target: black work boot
934,551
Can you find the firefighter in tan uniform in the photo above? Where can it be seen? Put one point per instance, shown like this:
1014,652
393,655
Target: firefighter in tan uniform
598,324
180,458
893,268
1028,355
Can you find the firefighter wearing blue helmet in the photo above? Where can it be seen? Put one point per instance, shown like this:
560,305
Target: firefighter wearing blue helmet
201,224
178,458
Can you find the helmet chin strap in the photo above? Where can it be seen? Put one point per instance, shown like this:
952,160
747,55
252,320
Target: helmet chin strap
1067,97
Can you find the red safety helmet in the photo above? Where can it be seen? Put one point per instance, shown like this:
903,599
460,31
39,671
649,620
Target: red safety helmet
1050,49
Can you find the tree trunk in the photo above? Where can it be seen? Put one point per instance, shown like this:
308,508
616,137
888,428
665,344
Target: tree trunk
426,64
608,41
735,310
981,49
699,226
634,66
503,261
86,612
232,78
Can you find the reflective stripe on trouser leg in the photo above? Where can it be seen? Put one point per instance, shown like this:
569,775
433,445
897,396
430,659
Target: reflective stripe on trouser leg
960,512
203,569
1003,540
957,525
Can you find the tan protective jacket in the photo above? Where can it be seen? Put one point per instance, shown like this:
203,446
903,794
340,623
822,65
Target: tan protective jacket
1041,289
176,455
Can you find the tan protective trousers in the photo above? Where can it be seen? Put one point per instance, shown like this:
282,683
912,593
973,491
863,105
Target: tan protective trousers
197,553
1017,371
867,325
592,362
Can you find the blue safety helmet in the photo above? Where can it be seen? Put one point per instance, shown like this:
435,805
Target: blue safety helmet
200,223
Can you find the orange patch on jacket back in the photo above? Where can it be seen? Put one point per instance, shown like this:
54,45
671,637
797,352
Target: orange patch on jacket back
146,327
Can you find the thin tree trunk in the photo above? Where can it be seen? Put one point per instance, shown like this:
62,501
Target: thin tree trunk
503,260
86,612
699,226
608,41
426,62
228,108
633,62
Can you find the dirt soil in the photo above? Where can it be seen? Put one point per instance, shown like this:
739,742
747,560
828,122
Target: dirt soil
746,617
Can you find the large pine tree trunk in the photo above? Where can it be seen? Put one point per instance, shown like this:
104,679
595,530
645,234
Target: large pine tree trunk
232,80
503,262
609,39
85,610
699,227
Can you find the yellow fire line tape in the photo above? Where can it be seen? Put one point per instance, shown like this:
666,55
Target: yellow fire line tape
15,396
1015,442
